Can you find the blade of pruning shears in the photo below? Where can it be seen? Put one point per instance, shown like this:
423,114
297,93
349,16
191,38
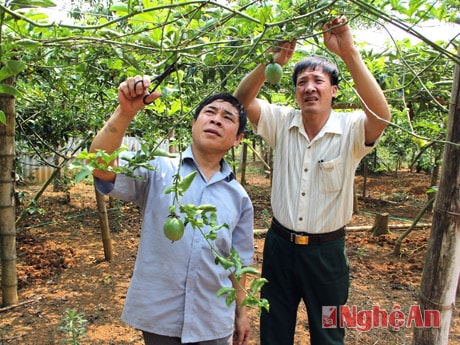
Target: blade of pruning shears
158,79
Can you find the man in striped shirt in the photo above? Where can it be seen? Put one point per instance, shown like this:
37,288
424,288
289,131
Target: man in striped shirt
317,151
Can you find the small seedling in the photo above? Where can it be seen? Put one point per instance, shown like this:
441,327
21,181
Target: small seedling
73,324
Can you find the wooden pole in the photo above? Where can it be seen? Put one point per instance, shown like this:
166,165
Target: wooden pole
105,229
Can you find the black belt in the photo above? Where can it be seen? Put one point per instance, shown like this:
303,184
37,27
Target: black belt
305,238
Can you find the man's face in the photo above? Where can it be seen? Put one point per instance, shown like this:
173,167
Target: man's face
314,92
216,127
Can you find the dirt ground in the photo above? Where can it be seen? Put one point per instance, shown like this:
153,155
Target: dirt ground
61,264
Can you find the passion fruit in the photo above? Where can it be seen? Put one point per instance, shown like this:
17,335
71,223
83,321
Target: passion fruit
173,228
273,73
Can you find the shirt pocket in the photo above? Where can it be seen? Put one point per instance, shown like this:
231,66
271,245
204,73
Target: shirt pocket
331,175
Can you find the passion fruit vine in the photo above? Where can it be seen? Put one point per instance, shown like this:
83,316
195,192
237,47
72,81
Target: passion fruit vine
173,228
273,73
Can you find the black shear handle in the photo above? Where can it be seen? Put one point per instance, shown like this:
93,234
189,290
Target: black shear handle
159,79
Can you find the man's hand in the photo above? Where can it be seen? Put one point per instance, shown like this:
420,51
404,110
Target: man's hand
131,94
242,332
337,36
338,39
283,52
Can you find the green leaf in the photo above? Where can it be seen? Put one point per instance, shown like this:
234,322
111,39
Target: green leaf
11,68
207,208
170,189
107,158
432,189
230,291
162,153
109,33
128,57
224,291
84,170
225,263
186,181
82,174
15,4
257,284
119,8
27,43
9,90
2,117
249,270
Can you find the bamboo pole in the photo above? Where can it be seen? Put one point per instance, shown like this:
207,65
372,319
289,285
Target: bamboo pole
263,232
8,255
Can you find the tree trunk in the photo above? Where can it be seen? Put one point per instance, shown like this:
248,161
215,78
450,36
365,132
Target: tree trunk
365,173
244,159
381,224
430,194
428,206
442,269
435,172
232,151
38,194
458,287
355,200
105,229
7,214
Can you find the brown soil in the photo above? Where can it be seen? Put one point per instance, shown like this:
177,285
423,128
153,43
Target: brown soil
61,264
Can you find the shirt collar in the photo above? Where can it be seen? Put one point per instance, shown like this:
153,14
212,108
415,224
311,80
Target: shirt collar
332,125
225,172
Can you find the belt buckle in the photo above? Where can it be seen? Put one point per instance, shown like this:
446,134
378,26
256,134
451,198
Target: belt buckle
302,240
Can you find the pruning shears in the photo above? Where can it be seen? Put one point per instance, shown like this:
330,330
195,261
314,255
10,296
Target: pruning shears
158,79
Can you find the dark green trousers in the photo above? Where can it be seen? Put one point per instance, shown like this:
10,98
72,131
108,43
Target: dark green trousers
317,274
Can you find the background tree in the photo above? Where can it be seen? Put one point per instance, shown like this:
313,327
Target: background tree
441,272
7,214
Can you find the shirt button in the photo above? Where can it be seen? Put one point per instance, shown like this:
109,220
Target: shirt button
303,193
305,169
300,219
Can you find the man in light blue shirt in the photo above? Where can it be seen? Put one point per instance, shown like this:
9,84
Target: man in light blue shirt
172,296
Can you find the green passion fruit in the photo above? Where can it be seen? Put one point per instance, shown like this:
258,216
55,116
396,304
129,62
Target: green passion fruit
273,73
173,228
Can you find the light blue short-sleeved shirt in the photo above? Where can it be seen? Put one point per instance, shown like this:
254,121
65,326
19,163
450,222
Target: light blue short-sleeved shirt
174,284
312,187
